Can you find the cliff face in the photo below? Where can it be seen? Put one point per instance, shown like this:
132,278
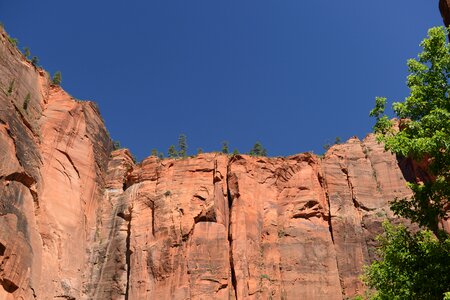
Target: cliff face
444,8
215,227
53,154
81,222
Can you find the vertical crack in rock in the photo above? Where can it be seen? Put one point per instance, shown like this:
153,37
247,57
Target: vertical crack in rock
366,151
34,293
230,241
330,226
24,120
72,163
350,186
357,204
324,187
128,253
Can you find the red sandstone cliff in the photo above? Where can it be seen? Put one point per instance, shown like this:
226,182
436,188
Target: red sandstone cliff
53,153
78,221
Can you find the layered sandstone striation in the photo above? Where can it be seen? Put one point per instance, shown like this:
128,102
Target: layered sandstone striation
80,221
242,227
53,153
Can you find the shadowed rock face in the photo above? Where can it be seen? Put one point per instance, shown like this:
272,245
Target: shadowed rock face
444,8
81,222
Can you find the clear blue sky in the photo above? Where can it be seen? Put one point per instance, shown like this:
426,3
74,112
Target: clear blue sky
292,74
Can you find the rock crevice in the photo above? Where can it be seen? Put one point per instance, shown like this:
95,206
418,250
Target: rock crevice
211,226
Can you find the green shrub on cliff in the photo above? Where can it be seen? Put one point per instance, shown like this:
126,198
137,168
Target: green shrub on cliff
182,145
35,61
172,152
57,77
13,41
258,150
26,101
225,149
26,52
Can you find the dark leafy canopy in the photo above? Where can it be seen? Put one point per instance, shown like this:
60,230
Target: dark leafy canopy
417,265
411,266
424,129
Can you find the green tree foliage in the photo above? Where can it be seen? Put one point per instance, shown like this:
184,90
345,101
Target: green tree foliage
13,41
411,266
11,87
199,150
172,152
182,145
35,61
417,265
424,129
154,152
235,151
26,52
57,78
328,145
26,101
258,150
116,145
225,147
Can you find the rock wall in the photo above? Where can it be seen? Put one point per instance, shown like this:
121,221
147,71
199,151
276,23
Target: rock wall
53,153
444,8
241,227
81,222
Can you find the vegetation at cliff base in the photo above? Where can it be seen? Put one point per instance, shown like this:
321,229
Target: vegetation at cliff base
411,265
416,265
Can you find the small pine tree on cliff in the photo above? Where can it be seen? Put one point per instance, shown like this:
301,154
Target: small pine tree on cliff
225,149
182,145
258,150
57,77
172,152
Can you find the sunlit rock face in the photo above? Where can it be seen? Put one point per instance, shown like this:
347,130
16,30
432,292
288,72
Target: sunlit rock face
80,221
242,227
54,151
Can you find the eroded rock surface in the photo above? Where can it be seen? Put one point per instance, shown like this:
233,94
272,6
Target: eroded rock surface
53,153
80,221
